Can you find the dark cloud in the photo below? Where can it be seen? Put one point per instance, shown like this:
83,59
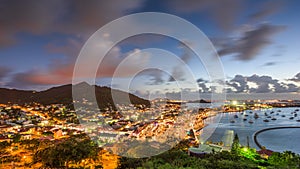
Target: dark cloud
68,17
264,84
296,78
251,43
60,71
26,80
269,64
178,72
201,80
225,12
203,88
267,9
4,71
156,76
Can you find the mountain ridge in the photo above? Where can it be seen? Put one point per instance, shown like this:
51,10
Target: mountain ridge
63,95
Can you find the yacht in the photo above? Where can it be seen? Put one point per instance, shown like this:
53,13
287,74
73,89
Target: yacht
266,120
256,116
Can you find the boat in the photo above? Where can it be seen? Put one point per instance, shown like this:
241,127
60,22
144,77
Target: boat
250,121
245,119
256,116
246,115
273,118
295,115
236,116
298,120
271,112
297,110
291,118
266,120
250,112
283,115
266,114
232,121
277,114
278,110
269,117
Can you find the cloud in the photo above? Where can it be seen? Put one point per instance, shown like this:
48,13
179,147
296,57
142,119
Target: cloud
296,78
225,12
4,71
269,64
67,17
178,72
156,76
251,43
60,71
239,83
263,84
267,9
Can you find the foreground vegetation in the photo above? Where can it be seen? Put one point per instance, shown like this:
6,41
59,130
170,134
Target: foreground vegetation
178,159
81,152
238,158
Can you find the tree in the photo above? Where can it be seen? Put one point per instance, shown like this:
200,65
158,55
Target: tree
235,147
71,150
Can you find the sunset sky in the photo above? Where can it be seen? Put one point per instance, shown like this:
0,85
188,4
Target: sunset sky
257,41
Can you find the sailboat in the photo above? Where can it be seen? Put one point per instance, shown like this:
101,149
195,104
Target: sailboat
250,121
256,116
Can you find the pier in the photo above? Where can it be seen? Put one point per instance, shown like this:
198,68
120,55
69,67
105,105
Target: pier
267,129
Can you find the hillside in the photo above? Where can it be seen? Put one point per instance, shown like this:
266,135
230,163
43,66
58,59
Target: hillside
63,94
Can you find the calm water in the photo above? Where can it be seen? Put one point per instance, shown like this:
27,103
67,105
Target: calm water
277,140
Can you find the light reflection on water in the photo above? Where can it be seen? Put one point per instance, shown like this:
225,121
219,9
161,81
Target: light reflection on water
277,140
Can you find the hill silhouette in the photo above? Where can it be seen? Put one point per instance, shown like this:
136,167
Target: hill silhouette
106,97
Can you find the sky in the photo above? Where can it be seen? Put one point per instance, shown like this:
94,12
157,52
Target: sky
256,42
